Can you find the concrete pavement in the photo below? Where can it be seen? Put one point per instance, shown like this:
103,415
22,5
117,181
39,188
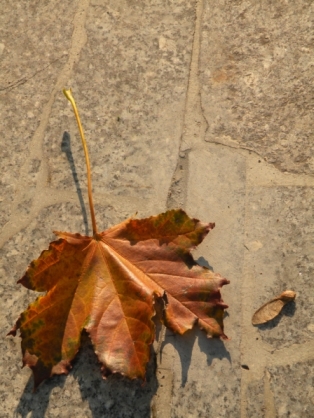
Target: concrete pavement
202,105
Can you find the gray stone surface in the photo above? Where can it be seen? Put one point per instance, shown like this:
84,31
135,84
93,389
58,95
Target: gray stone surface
289,401
196,104
282,252
132,74
35,40
255,399
256,73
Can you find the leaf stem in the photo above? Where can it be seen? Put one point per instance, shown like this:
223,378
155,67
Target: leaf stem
68,95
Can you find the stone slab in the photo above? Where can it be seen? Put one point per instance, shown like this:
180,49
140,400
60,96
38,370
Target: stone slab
200,104
256,74
216,193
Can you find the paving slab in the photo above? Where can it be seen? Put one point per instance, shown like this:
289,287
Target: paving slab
195,104
256,76
207,393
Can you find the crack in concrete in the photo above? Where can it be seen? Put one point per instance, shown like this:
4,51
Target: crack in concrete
269,401
177,191
236,147
194,123
12,85
194,129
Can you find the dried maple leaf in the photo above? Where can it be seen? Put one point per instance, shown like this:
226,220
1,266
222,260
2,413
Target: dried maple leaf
108,284
271,309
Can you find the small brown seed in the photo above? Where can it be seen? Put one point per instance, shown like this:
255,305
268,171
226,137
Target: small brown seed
271,309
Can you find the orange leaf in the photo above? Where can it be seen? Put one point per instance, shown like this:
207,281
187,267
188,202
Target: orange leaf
108,284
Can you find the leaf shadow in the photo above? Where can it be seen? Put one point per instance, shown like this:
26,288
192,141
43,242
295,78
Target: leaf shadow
66,148
36,403
117,395
288,310
201,261
212,347
114,397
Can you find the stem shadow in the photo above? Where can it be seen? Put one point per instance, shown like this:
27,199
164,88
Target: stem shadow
66,148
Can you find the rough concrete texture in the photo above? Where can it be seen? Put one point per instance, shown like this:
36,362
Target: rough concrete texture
200,104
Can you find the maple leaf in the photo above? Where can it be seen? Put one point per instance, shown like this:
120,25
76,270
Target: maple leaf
108,285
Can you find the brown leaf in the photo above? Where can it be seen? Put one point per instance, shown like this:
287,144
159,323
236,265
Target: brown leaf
108,285
272,308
